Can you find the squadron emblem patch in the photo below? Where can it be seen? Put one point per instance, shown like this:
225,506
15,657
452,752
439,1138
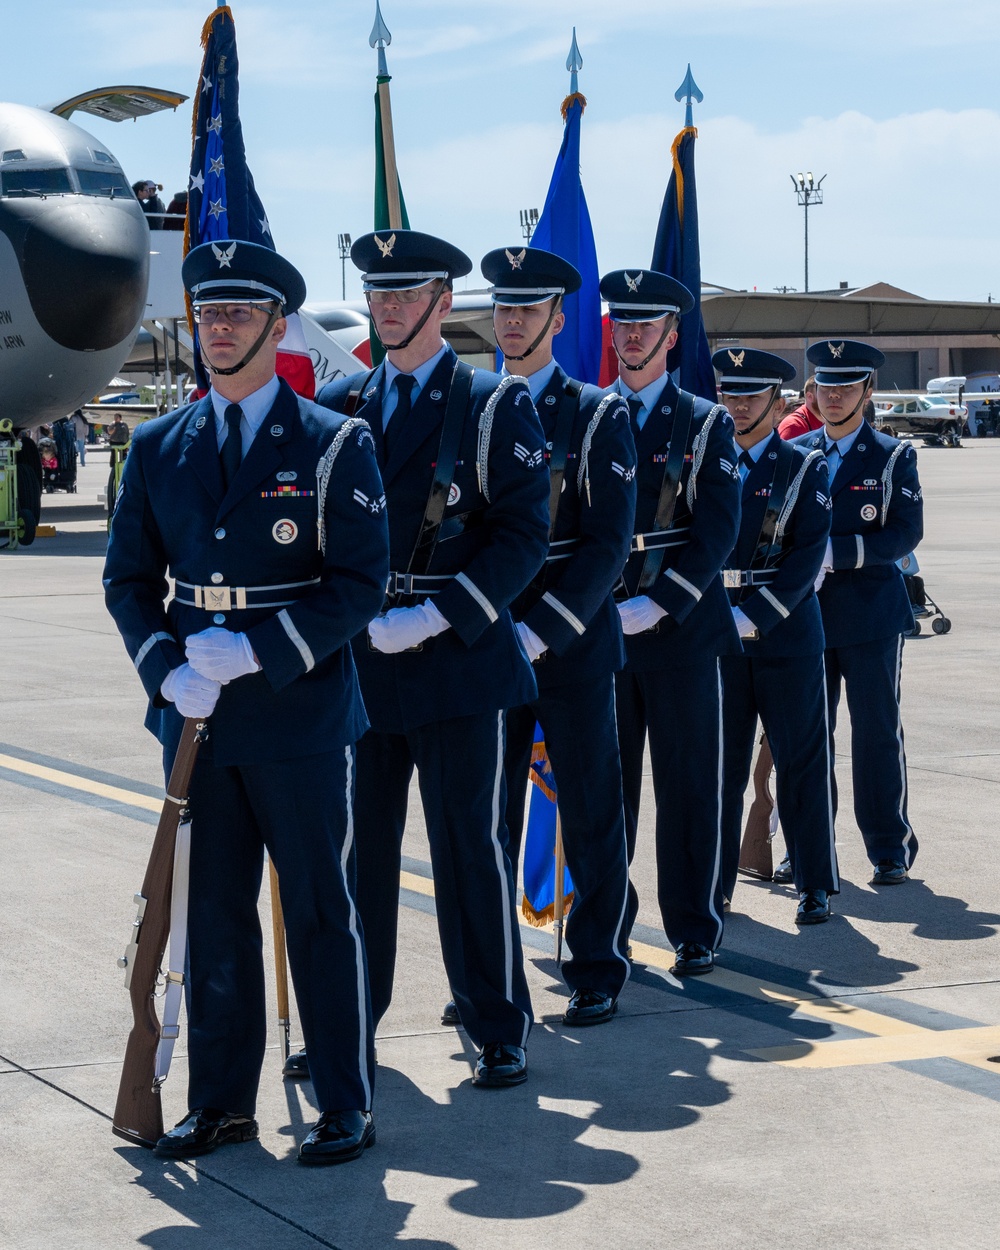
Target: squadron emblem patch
454,495
869,512
284,531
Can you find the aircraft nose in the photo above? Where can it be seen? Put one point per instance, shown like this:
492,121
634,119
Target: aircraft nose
86,269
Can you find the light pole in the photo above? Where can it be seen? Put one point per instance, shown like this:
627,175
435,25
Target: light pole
344,244
529,220
807,192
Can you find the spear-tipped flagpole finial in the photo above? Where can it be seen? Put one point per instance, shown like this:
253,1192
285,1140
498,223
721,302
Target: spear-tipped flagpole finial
688,90
574,63
380,38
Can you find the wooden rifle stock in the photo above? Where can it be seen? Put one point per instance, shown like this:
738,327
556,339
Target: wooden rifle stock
138,1114
755,851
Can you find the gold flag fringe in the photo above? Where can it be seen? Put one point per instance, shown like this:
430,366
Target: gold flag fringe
539,919
570,100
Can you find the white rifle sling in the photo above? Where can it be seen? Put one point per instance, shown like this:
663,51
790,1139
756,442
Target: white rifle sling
169,1029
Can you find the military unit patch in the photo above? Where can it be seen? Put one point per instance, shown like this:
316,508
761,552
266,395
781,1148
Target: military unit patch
869,512
285,531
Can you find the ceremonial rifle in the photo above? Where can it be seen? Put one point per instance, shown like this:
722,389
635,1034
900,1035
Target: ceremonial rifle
755,851
138,1114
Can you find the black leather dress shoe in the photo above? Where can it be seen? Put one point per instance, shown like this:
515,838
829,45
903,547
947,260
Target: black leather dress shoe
691,959
500,1065
589,1007
203,1131
889,872
814,907
783,873
296,1066
338,1137
449,1014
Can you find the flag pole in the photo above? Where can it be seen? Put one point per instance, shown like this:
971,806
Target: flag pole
380,38
559,895
280,957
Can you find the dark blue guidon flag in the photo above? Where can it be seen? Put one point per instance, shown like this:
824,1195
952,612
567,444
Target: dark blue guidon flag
538,906
676,252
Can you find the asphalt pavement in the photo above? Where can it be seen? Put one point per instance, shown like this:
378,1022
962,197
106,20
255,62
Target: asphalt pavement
826,1087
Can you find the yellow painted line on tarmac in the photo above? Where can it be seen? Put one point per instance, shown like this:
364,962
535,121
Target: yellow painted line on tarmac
419,885
968,1045
73,782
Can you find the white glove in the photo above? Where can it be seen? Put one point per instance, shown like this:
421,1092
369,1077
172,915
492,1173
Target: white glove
828,557
530,641
820,579
403,628
744,624
639,614
192,694
220,654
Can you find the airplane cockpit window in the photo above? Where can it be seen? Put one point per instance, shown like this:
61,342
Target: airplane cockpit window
103,182
12,154
103,158
30,182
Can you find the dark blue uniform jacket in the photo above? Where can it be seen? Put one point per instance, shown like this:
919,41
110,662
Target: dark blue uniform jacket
500,488
570,605
877,518
785,610
173,517
706,519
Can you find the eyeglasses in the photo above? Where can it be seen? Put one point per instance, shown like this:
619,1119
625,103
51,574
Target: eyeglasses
409,296
236,314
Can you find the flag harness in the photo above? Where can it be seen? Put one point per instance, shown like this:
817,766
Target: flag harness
670,488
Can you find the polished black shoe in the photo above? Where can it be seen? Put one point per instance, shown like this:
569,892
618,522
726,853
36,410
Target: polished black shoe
813,908
449,1014
203,1131
783,873
889,872
296,1066
500,1065
589,1007
691,959
338,1137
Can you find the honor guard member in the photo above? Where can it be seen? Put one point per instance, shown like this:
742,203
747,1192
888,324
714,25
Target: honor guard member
784,525
267,511
568,622
463,461
877,519
674,611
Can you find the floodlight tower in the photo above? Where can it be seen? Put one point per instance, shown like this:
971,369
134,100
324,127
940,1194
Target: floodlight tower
807,192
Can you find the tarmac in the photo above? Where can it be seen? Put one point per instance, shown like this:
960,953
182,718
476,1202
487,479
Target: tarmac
832,1086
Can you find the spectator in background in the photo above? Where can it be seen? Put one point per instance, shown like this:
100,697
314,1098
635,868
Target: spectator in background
118,432
176,212
145,192
804,418
81,428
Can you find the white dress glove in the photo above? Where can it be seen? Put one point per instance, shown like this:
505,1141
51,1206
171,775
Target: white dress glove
403,628
744,624
828,557
220,654
192,694
530,641
639,614
820,579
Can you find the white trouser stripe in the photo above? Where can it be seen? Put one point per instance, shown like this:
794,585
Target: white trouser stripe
683,583
778,606
902,755
477,594
718,816
564,612
620,940
505,902
861,550
149,644
829,783
300,643
359,954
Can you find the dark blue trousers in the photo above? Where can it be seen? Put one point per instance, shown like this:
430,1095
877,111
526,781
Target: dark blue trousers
870,672
789,695
459,766
680,708
300,810
578,720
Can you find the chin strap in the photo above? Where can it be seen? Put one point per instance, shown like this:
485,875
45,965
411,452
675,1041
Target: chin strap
541,334
396,347
225,373
774,395
853,413
659,343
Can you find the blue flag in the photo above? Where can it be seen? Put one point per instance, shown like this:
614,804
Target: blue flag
564,228
676,252
538,905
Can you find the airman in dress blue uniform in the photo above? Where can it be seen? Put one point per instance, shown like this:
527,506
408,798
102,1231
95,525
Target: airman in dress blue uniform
267,511
877,519
569,624
675,612
785,522
463,459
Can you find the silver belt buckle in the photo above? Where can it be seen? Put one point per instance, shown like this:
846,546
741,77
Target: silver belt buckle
732,579
217,598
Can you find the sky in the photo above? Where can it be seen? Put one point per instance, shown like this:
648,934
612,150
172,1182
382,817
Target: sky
895,101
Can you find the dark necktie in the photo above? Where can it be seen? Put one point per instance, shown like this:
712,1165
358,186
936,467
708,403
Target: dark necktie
404,384
746,465
634,408
232,449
